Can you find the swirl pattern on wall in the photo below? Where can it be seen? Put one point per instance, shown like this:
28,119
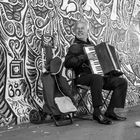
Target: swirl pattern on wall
23,22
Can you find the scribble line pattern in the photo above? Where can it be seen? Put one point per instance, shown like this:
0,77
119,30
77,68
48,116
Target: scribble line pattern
22,24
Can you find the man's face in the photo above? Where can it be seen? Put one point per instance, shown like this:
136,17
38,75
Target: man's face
81,31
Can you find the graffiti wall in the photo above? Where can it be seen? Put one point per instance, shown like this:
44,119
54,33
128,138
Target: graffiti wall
22,24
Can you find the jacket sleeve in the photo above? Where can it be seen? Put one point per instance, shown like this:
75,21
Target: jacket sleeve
75,57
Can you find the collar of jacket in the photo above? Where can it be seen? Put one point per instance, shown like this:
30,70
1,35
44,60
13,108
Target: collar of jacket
77,40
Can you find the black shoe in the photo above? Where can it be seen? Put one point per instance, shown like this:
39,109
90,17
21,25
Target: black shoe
114,116
102,119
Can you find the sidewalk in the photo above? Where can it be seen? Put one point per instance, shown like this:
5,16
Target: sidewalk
79,130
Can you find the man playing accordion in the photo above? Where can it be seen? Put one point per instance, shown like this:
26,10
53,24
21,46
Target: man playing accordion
79,62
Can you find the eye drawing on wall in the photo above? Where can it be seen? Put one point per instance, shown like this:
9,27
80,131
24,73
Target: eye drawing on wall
16,69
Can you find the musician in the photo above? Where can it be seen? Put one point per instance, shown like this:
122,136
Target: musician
79,62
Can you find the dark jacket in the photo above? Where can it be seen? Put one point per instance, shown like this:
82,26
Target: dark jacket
77,59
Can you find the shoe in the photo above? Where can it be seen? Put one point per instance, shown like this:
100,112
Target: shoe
114,116
102,119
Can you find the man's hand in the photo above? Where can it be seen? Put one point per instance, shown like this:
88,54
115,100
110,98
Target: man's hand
90,56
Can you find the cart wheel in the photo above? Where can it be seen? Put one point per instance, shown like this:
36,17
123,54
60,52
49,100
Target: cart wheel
34,116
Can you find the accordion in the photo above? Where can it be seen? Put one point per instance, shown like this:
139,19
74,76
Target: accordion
104,60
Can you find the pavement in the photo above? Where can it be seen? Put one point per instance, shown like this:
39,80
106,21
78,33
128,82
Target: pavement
79,130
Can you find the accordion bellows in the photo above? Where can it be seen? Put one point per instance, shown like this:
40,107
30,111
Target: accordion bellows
104,61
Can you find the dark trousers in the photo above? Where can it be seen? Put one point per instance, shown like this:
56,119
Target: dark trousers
97,83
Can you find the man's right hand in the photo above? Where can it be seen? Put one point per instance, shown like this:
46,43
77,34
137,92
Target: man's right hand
90,56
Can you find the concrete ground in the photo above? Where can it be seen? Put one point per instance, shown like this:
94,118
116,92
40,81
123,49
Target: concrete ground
79,130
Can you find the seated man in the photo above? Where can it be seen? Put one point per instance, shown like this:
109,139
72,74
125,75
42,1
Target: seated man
78,61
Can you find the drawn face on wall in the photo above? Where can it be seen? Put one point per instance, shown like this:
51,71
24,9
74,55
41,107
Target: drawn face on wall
48,40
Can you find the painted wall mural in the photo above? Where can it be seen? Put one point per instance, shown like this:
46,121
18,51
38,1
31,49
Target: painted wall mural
22,24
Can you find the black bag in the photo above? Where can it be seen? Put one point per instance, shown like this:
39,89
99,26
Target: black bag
37,116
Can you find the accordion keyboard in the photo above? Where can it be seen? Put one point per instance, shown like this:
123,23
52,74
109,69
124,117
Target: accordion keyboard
94,62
